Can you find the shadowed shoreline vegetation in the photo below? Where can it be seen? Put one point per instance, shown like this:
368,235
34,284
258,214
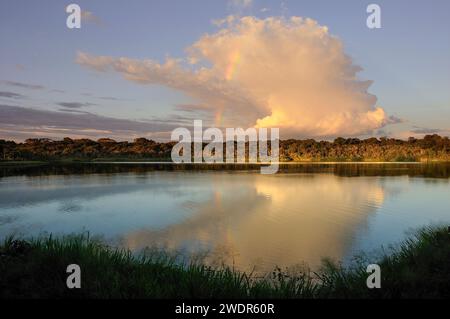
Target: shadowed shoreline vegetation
419,267
429,148
19,168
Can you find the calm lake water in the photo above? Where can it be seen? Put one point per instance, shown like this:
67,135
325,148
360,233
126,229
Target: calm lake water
239,217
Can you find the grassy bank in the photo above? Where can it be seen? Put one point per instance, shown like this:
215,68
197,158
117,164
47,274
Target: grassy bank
418,268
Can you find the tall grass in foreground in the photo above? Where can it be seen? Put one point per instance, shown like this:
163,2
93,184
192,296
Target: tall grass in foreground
417,268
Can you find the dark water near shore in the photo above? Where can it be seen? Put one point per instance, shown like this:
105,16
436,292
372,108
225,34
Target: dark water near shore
240,217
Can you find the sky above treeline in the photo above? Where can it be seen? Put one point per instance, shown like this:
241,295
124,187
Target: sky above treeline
142,68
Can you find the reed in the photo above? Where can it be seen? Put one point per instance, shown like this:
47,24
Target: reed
419,267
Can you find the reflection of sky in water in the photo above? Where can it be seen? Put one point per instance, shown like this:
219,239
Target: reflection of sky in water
242,218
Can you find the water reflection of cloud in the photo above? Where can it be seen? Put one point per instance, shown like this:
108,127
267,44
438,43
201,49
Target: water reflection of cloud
272,220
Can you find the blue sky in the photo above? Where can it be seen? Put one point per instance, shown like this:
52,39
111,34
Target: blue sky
407,59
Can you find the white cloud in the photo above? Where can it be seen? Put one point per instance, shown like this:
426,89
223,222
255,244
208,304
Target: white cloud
273,72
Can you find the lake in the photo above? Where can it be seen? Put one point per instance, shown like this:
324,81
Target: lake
239,217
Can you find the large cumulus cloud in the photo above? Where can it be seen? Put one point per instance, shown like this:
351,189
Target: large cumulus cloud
273,72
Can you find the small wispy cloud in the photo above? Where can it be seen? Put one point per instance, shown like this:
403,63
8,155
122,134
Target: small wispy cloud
23,85
58,91
11,95
192,108
420,132
426,130
74,105
392,119
111,98
107,98
73,111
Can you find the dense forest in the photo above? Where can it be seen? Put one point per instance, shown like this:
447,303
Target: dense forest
431,147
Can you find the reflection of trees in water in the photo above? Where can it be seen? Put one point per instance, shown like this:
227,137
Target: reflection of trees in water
435,170
73,192
267,221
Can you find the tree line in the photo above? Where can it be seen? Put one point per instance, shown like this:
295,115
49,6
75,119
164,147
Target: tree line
430,147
